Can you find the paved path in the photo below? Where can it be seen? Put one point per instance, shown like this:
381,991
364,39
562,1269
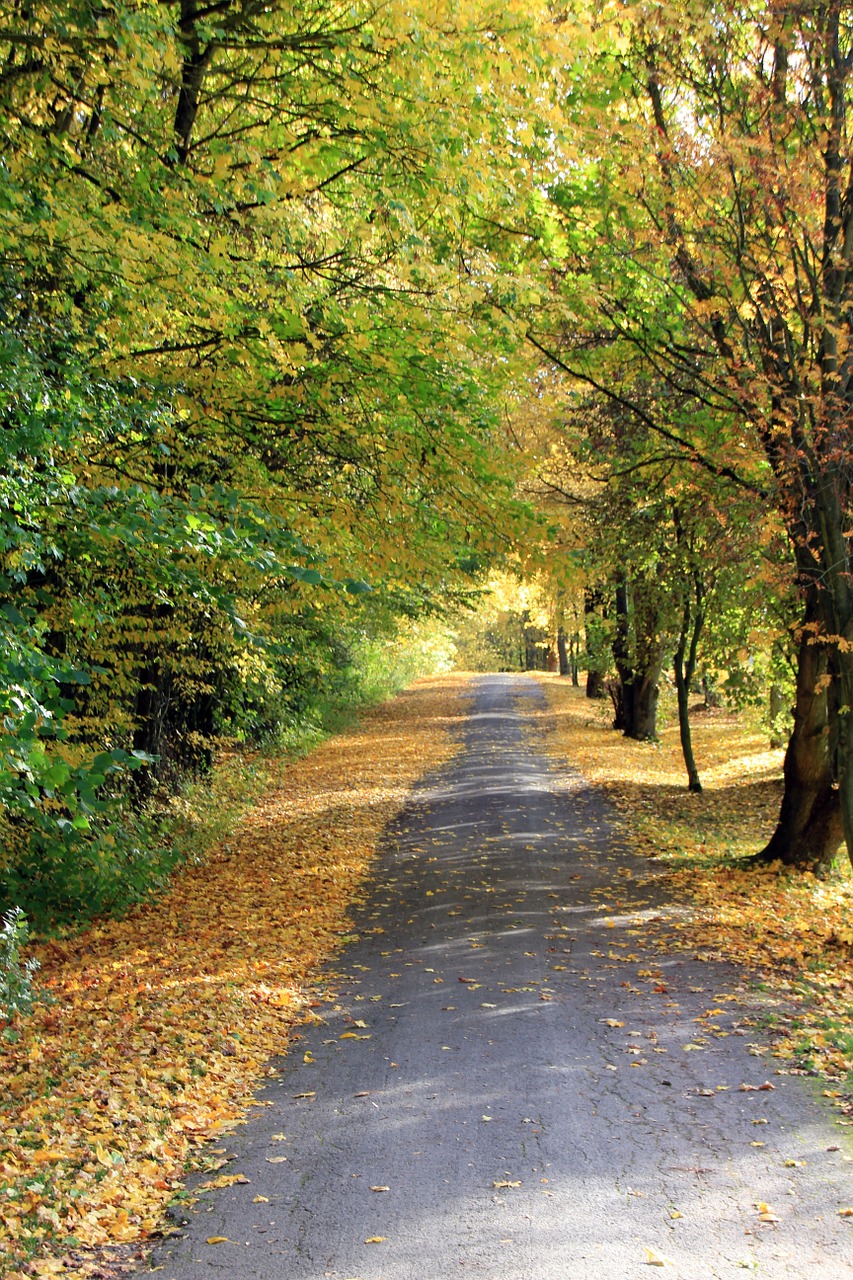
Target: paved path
510,1085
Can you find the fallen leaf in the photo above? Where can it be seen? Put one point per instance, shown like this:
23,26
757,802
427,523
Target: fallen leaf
260,1200
375,1239
501,1184
380,1188
218,1240
276,1159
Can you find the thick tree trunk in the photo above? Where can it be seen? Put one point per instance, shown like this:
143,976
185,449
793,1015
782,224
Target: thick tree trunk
809,831
594,684
643,699
638,665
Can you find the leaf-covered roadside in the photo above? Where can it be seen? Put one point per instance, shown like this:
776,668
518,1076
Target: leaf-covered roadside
791,928
159,1026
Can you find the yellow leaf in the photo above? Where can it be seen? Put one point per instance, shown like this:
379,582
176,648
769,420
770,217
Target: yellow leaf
218,1240
846,1212
375,1240
224,1180
655,1259
276,1159
260,1200
501,1184
380,1188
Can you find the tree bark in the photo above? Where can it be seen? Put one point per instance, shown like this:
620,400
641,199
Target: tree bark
777,706
638,656
594,684
592,604
809,831
685,665
621,690
562,652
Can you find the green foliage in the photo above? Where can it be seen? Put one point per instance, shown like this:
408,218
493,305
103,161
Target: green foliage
16,975
247,394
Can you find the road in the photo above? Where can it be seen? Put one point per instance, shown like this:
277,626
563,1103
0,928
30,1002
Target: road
512,1083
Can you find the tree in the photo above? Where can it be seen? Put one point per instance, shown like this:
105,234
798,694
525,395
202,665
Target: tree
706,235
245,380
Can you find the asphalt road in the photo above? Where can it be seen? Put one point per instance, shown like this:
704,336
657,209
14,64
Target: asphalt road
511,1084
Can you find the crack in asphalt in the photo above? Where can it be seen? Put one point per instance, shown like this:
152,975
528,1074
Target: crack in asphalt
512,1083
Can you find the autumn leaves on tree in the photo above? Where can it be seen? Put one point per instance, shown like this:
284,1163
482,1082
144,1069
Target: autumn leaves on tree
701,293
250,411
307,308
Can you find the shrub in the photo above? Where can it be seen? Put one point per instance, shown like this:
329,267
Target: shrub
16,975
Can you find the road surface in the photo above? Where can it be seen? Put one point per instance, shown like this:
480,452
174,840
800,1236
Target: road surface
512,1084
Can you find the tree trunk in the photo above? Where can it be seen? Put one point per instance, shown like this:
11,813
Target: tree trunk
594,642
685,665
844,756
777,707
622,692
809,831
562,652
194,66
643,698
594,684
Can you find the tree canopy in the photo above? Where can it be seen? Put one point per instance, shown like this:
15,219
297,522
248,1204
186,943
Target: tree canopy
312,313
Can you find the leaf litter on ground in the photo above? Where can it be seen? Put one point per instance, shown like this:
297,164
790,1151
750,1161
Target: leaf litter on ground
792,930
160,1025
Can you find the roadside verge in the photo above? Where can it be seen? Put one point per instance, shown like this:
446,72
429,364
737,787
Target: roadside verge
159,1026
791,930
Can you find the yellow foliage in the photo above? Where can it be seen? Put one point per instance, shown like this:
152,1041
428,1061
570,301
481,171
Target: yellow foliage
161,1025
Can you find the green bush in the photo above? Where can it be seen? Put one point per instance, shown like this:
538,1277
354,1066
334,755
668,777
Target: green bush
16,975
